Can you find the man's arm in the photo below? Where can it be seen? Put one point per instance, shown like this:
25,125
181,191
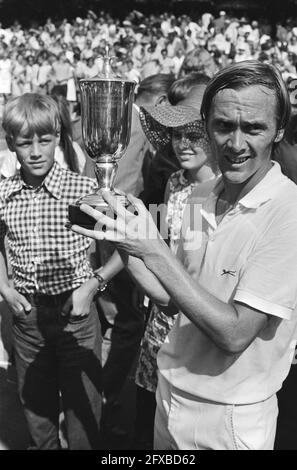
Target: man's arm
232,327
148,282
163,278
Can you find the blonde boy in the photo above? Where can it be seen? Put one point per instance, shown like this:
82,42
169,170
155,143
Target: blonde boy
55,325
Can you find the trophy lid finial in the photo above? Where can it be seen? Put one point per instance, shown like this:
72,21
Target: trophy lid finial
107,71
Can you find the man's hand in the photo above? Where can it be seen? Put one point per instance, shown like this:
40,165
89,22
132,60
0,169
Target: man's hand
16,302
79,303
134,233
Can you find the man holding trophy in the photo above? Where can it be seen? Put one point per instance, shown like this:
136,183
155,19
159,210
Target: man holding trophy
235,289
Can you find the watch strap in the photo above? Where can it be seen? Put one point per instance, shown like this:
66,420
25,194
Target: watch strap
102,282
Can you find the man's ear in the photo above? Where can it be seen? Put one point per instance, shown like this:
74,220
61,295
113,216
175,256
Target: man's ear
279,136
10,143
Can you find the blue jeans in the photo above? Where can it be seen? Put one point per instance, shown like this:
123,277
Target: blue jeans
57,356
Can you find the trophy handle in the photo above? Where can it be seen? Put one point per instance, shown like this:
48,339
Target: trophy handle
105,174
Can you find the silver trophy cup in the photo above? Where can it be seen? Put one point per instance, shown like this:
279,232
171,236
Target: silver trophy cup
106,106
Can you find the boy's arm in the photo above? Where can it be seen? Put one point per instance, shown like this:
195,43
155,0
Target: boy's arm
80,303
112,267
15,301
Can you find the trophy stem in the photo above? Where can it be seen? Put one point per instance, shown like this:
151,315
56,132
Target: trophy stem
105,172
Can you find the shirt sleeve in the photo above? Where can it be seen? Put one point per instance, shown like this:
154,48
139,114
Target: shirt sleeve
268,281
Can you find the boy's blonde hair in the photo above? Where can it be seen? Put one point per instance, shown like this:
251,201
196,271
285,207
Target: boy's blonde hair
31,114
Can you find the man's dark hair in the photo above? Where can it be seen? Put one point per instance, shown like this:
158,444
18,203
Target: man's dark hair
245,74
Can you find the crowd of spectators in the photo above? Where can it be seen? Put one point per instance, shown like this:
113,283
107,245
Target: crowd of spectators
153,51
58,54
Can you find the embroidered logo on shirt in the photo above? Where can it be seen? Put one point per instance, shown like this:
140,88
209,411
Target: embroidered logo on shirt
227,271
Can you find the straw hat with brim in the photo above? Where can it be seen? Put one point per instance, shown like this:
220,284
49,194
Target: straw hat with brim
158,121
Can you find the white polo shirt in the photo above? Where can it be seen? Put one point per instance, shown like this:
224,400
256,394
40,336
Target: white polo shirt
250,257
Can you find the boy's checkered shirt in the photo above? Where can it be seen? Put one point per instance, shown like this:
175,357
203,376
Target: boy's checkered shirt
45,257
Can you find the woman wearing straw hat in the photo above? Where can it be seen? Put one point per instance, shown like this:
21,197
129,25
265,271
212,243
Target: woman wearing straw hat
181,126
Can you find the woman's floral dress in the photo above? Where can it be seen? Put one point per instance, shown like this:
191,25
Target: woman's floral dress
159,324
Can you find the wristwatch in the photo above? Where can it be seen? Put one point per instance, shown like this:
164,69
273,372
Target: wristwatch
102,282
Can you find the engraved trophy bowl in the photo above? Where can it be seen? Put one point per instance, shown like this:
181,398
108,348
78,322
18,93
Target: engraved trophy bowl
106,112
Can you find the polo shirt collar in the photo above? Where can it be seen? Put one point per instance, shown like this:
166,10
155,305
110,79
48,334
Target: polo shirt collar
264,191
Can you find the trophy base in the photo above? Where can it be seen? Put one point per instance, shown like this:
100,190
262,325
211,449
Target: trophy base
77,217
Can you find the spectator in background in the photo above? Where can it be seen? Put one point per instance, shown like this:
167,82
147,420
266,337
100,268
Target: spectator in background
177,62
164,163
29,74
87,51
61,73
132,73
166,63
200,60
173,43
5,74
43,74
91,68
183,126
143,43
151,63
18,76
